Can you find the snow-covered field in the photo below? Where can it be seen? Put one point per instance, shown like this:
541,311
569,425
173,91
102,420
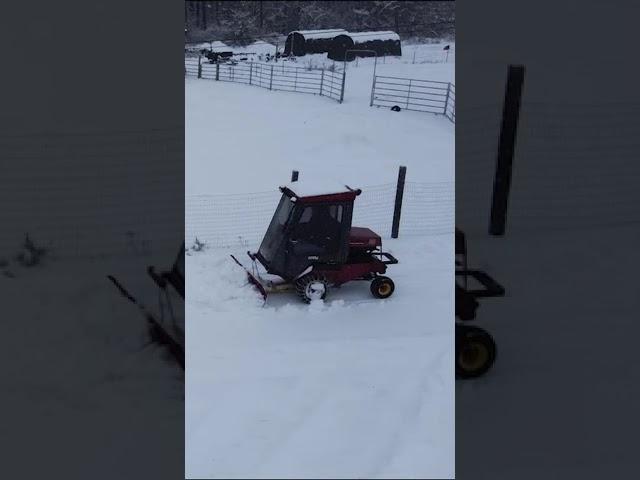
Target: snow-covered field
79,352
354,387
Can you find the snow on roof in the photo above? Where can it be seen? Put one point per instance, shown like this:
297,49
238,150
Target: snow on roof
311,189
360,37
307,34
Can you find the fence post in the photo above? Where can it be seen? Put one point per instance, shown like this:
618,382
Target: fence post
294,175
217,71
414,56
250,71
271,79
408,94
199,66
506,149
321,80
395,227
344,75
373,89
446,100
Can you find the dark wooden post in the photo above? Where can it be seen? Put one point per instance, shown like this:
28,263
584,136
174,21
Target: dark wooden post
217,70
395,228
294,175
506,149
199,66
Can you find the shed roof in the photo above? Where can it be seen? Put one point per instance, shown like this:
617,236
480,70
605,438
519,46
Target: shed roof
313,34
360,37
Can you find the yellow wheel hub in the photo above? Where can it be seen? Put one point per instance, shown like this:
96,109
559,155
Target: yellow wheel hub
474,356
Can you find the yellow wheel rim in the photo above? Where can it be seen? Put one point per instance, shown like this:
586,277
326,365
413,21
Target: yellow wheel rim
384,289
473,356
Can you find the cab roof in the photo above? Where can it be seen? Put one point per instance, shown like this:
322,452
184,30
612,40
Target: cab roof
318,192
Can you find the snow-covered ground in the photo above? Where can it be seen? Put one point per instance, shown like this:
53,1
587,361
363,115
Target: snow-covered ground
353,387
240,138
79,352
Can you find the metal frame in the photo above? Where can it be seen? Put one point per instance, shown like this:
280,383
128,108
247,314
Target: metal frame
490,287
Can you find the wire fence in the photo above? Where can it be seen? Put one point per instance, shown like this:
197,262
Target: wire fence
574,167
435,54
323,82
414,94
242,219
86,199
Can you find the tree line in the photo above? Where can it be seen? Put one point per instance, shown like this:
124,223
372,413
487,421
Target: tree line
244,21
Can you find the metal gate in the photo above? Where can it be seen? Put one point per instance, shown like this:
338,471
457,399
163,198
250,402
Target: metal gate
413,94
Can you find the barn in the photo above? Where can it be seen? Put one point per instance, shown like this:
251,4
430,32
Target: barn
382,43
301,42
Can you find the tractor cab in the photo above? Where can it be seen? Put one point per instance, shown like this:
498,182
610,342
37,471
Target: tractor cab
309,226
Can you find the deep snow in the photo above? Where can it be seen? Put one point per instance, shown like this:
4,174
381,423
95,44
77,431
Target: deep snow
77,350
352,387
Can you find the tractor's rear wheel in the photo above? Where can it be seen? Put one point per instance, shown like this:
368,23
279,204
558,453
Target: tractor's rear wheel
312,286
382,287
475,351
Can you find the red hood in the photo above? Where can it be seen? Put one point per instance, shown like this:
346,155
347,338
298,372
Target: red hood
364,237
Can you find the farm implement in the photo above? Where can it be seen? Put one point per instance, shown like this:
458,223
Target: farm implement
475,348
171,337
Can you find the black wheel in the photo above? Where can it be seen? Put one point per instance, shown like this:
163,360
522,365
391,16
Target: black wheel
312,286
382,287
475,351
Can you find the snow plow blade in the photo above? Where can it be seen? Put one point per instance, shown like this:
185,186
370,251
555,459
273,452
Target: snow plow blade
252,279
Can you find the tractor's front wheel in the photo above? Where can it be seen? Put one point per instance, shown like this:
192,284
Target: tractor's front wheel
382,287
312,286
475,351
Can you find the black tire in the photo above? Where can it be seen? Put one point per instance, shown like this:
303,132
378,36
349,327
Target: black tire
476,351
382,287
304,287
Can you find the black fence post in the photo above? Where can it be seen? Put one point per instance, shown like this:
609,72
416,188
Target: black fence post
395,228
217,71
199,66
506,150
294,175
344,75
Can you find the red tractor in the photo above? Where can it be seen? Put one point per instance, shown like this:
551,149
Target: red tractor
310,246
